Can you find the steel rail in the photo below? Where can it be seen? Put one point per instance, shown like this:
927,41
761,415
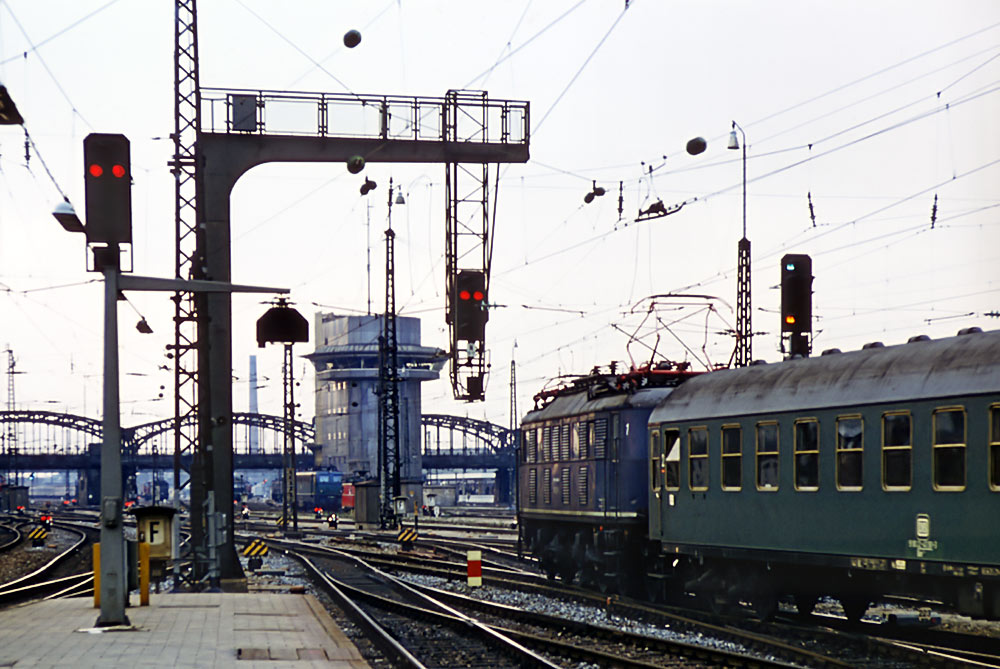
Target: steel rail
374,632
18,536
50,565
666,646
439,611
541,585
32,590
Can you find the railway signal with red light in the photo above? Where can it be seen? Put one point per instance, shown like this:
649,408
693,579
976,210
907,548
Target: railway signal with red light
469,307
796,293
108,188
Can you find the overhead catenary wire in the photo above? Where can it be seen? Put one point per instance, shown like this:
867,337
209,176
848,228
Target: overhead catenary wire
534,131
59,33
299,49
45,65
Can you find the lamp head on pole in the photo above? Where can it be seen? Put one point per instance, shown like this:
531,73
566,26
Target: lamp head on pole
400,199
734,142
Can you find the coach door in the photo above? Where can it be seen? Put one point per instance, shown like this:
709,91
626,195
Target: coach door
655,483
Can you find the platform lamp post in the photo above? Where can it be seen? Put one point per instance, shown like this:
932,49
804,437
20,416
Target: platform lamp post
283,324
744,331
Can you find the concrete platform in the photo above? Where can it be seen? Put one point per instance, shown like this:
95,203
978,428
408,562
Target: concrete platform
179,630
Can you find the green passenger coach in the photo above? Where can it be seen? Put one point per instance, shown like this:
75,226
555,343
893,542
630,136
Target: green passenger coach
859,476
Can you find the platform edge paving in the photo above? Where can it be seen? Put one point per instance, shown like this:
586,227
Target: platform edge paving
178,630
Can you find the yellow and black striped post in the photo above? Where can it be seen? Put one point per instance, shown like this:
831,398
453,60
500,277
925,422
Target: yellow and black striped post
255,552
407,536
38,536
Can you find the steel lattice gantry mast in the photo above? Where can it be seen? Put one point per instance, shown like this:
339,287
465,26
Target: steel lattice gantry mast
467,235
190,264
10,434
744,326
388,387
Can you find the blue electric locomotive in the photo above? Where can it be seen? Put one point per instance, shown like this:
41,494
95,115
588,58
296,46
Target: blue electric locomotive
583,474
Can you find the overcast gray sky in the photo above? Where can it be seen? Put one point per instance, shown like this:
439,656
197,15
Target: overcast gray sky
868,108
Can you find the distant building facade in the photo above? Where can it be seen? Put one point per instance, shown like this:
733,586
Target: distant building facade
346,360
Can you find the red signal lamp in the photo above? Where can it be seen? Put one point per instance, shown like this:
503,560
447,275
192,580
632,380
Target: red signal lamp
478,295
96,170
118,171
464,295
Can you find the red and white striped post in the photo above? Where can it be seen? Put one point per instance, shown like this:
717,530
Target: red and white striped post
475,561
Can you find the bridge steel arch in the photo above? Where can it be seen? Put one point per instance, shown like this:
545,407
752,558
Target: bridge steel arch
134,438
494,447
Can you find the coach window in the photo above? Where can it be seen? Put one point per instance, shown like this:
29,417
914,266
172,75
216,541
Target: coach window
732,457
767,456
807,454
655,475
995,447
672,459
897,451
850,452
949,449
698,458
547,486
574,441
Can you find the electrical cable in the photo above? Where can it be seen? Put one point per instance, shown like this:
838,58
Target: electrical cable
364,28
56,34
805,123
46,66
895,126
295,46
970,72
875,74
524,44
38,155
881,93
507,45
534,131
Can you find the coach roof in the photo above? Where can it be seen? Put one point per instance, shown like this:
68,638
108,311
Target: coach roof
922,369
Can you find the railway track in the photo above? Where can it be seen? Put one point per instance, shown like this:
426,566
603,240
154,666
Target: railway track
569,642
414,629
811,643
50,579
10,535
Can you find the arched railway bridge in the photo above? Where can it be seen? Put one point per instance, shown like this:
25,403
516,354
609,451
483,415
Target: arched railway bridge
39,441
